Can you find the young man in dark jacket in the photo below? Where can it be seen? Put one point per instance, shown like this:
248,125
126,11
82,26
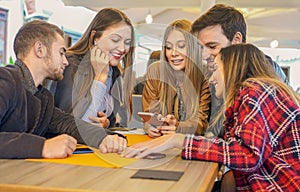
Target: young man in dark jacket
30,125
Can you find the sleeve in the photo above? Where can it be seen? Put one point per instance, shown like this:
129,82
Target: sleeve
247,147
278,70
20,145
15,144
150,96
98,90
84,132
199,122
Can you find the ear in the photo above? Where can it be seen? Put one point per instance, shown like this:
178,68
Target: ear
237,38
92,37
38,49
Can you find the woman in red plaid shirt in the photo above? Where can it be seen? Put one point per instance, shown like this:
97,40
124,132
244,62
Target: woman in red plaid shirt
262,141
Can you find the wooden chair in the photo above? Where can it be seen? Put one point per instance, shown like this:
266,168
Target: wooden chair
228,182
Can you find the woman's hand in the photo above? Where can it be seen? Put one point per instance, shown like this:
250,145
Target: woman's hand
101,119
170,125
160,144
113,144
151,130
100,63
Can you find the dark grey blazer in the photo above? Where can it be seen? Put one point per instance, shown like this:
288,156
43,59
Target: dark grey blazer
27,118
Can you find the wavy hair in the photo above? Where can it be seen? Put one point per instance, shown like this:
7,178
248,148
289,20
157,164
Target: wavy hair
242,62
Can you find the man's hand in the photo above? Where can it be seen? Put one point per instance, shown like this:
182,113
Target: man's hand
59,147
113,144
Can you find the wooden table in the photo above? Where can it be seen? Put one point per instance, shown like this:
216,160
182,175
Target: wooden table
26,176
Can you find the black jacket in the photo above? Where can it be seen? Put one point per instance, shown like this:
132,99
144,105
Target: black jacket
28,117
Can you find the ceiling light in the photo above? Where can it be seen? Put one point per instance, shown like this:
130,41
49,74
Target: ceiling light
149,18
274,44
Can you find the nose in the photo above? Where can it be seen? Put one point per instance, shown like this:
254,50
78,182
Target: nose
122,47
65,60
174,51
205,53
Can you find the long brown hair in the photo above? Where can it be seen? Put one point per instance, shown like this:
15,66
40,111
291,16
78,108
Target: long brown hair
242,62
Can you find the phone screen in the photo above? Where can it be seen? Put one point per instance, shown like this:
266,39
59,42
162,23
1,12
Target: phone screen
83,150
153,156
153,119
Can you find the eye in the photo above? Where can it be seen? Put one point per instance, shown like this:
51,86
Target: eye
127,42
62,52
115,39
212,47
168,46
181,45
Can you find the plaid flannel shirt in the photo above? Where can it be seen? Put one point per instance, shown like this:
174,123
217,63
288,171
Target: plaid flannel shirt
261,143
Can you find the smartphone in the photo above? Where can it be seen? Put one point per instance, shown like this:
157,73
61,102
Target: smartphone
154,156
151,118
83,150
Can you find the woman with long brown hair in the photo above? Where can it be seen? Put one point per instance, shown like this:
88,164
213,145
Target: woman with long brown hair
97,61
262,118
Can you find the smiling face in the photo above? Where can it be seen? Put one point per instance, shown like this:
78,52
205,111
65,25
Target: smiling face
176,50
217,78
115,42
212,39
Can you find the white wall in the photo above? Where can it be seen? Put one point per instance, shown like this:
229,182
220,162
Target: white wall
15,20
72,18
289,58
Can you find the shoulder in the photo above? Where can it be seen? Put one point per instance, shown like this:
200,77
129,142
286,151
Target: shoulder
154,69
10,74
10,80
256,91
74,59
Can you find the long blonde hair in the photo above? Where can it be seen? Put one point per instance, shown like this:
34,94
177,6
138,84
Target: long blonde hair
243,62
192,84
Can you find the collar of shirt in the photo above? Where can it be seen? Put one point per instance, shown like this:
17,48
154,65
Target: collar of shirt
27,77
109,79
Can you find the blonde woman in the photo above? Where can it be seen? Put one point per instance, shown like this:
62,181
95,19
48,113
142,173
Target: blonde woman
175,86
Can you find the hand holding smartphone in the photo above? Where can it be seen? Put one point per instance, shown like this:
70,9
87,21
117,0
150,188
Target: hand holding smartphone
151,118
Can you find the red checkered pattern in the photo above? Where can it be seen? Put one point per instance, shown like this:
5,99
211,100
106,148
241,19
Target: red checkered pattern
262,140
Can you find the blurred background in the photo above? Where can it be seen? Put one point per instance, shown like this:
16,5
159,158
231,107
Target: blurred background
273,25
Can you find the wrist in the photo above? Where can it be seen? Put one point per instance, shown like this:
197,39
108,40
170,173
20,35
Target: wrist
102,78
179,140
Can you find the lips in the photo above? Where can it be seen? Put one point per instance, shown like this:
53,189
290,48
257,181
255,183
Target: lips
117,56
177,61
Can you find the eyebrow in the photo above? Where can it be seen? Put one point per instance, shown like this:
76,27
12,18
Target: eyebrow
211,43
116,34
179,41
